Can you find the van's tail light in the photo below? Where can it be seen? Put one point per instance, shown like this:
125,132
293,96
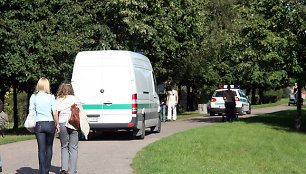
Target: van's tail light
237,99
134,104
213,100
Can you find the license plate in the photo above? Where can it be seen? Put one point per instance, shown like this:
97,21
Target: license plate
93,119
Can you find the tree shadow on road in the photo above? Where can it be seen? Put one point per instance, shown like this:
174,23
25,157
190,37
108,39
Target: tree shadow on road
29,170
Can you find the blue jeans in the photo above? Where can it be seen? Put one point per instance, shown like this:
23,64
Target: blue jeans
163,112
0,164
44,131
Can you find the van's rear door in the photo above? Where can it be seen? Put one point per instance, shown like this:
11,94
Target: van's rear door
87,82
102,81
117,93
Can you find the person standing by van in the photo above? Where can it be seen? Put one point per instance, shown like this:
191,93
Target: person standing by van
69,135
46,123
163,100
172,101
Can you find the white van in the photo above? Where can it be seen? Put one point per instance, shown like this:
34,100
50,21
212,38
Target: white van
118,91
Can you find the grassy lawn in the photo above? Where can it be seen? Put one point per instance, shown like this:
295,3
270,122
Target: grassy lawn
20,134
282,101
261,144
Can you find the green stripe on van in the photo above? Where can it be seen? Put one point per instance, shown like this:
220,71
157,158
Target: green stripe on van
112,106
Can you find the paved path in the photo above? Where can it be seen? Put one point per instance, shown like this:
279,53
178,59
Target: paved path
110,153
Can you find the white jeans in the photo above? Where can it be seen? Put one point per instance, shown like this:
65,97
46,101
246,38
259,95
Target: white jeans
171,108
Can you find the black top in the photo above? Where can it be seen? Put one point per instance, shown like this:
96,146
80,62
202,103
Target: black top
162,98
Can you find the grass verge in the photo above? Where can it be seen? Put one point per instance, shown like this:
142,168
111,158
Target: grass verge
261,144
11,136
282,101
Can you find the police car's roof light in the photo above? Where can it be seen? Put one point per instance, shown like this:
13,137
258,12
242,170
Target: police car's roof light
225,86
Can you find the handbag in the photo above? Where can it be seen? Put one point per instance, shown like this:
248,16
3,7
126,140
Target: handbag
30,122
74,119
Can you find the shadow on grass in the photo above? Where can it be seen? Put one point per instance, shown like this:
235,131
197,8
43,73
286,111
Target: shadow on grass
19,131
282,120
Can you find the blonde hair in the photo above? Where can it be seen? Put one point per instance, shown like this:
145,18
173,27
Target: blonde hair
65,89
43,85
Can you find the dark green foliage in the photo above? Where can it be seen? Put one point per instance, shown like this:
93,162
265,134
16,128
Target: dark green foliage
257,44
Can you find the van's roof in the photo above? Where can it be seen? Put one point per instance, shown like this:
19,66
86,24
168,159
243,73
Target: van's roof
116,55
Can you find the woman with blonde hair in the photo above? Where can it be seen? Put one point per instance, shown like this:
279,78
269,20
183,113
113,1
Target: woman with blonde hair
46,123
69,135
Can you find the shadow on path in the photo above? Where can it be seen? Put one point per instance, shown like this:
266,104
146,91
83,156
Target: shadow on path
29,170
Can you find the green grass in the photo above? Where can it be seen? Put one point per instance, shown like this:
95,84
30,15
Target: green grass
11,136
282,101
189,114
261,144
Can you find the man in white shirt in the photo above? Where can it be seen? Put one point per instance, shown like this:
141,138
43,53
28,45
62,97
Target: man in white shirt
172,101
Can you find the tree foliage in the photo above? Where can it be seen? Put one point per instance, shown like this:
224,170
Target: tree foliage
258,43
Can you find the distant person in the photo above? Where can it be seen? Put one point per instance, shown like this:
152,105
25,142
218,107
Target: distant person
1,109
69,135
295,90
172,101
46,123
163,100
230,105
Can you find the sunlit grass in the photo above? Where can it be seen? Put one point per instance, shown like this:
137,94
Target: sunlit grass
261,144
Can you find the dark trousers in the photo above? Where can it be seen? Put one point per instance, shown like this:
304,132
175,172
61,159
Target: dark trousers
230,110
44,131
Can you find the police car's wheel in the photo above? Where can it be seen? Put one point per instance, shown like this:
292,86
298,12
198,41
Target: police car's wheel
248,112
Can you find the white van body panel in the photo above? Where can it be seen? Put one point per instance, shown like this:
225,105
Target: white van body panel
105,81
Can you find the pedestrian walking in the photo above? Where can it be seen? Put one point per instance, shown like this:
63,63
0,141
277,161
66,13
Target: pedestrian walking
230,105
172,101
69,135
46,123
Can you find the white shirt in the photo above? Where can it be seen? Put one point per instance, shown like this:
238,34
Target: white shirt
64,115
172,96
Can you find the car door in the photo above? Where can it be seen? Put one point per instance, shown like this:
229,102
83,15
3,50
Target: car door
244,100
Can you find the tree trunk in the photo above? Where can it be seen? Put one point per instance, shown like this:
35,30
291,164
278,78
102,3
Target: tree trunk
179,94
253,96
188,98
15,106
261,97
298,118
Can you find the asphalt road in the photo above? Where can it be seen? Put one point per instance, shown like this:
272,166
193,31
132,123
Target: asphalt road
108,153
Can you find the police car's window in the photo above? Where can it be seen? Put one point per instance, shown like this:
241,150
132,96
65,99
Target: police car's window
220,93
242,93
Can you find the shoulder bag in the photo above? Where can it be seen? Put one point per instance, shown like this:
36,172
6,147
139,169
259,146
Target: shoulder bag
30,122
74,119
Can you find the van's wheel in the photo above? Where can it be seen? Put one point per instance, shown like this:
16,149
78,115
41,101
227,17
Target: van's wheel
142,131
157,128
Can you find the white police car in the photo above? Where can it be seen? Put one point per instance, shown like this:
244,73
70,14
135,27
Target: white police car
217,104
